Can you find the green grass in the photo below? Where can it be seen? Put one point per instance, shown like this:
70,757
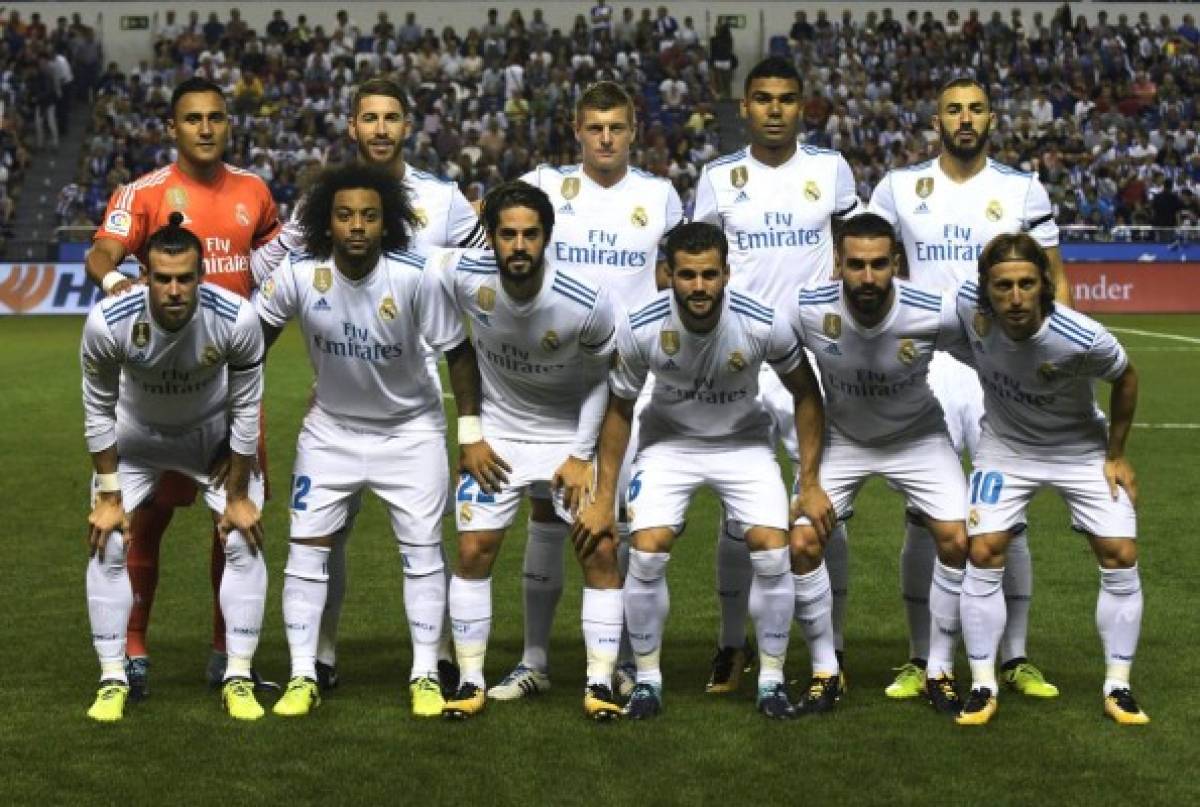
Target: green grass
363,746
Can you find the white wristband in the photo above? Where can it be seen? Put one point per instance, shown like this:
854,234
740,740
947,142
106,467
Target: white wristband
108,483
111,280
470,429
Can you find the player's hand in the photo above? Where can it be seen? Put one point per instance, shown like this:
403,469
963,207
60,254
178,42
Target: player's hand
1119,474
576,479
121,287
107,515
813,503
242,515
594,522
489,468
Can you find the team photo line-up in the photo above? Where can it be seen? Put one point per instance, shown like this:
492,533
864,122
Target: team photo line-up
607,357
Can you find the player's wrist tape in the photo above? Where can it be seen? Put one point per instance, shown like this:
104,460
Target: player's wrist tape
111,280
108,483
470,429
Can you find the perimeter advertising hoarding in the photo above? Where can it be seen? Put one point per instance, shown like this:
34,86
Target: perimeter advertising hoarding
1129,288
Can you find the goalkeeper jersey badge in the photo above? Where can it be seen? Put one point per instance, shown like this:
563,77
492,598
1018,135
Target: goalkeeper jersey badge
323,279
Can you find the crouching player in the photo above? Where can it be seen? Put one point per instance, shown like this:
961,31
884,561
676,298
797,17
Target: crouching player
191,358
376,422
544,338
703,426
1037,362
873,337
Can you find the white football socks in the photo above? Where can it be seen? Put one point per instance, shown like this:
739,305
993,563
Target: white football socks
305,581
602,615
983,616
1119,620
471,620
647,603
243,600
945,623
813,611
542,586
424,604
109,599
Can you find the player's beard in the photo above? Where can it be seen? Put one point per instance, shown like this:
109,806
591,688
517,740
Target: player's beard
534,270
965,153
681,301
866,303
364,153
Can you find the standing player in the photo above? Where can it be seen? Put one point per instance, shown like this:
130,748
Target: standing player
377,419
442,217
544,338
776,200
1038,362
232,213
171,371
609,221
873,338
704,426
945,210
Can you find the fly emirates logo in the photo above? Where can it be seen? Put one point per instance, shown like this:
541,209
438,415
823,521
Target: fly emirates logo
219,260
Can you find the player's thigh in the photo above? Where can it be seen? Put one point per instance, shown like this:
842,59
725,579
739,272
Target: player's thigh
661,487
532,464
408,472
928,472
748,482
998,494
1088,498
329,471
844,469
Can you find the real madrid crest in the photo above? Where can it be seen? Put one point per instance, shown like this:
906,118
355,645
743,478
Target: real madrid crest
267,289
141,333
973,518
737,362
639,217
323,279
485,298
669,341
994,211
550,342
421,216
832,326
739,176
982,325
211,356
387,309
924,187
570,188
908,351
811,192
1047,371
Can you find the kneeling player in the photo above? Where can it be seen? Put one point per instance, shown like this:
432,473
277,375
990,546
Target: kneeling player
702,426
376,422
873,337
191,355
1037,362
544,338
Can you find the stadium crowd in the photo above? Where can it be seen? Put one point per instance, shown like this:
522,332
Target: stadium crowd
1105,113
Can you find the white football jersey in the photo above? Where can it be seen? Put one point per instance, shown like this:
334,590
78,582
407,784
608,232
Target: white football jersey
874,379
777,220
609,236
364,337
444,219
539,359
945,225
172,381
705,385
1039,396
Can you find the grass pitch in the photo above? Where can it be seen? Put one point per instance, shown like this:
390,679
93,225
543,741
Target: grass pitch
363,746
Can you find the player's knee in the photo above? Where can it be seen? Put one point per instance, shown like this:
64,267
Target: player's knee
987,551
421,560
648,566
1116,553
951,544
805,549
476,554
